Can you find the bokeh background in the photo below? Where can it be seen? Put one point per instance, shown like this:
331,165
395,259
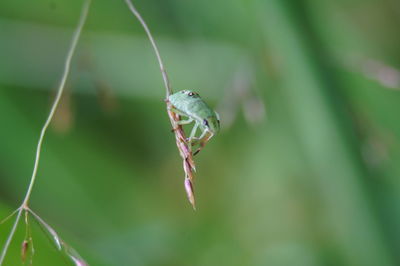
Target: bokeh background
305,171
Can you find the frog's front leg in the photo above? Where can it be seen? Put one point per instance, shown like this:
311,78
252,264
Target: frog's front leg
175,110
180,122
185,122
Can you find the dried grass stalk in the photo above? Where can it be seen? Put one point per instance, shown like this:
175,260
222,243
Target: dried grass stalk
183,146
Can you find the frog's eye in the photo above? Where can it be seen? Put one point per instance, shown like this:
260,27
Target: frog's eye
191,93
205,122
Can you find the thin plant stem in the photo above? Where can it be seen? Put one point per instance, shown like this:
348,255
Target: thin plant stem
58,242
9,216
180,137
27,250
153,43
10,236
67,66
60,90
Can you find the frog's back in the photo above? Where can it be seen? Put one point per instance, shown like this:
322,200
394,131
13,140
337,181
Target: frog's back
190,103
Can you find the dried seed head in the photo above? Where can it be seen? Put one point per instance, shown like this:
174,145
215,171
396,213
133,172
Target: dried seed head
24,250
185,152
190,192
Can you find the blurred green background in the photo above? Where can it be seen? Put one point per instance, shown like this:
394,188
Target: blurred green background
305,171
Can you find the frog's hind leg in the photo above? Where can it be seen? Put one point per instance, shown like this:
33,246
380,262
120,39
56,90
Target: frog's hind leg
193,133
202,140
192,140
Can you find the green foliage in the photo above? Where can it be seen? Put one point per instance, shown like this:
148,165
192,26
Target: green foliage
315,182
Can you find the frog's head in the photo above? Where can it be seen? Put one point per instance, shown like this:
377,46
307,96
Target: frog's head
182,97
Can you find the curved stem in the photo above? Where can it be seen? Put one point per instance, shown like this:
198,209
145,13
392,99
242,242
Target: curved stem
67,66
153,43
60,90
184,149
10,236
9,216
